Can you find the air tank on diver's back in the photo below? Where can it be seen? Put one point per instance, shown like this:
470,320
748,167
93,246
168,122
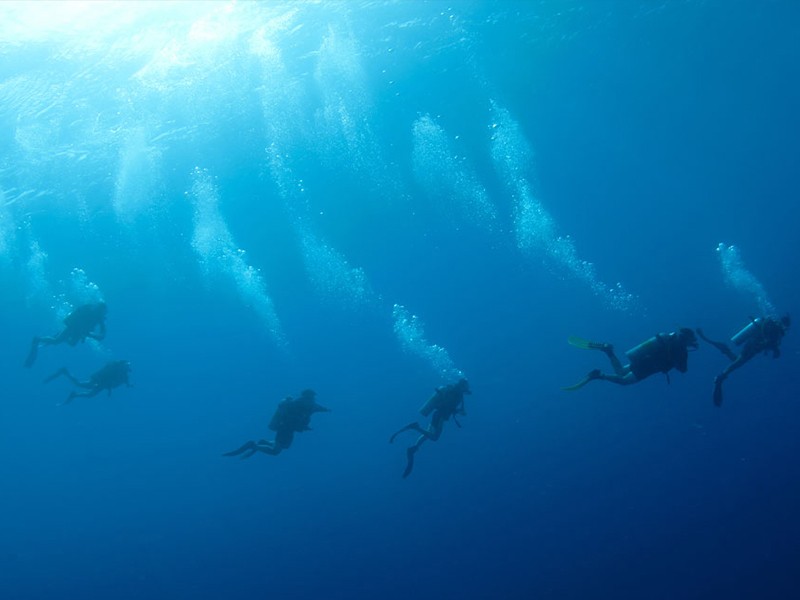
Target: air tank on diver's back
747,332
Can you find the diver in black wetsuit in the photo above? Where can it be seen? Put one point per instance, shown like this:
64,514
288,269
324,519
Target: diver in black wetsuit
292,416
763,334
446,402
659,354
113,374
78,325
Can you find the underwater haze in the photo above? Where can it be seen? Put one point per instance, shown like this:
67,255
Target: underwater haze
372,199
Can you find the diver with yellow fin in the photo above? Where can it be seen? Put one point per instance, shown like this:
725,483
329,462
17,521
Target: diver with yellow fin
762,334
447,401
658,354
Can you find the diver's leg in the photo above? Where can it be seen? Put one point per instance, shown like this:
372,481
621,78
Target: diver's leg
91,393
410,427
432,432
53,340
435,428
626,379
244,447
270,448
65,372
59,373
721,346
47,340
87,385
616,364
738,362
590,376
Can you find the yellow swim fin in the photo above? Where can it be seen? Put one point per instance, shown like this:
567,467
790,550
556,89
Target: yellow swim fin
579,342
586,344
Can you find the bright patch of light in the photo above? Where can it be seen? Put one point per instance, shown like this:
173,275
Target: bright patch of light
90,22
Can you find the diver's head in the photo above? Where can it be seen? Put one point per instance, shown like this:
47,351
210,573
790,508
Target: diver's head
309,394
786,321
463,386
101,308
688,338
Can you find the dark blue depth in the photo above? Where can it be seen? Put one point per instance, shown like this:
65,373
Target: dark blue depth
254,188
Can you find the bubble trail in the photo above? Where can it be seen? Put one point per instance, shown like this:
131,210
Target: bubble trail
739,278
332,276
446,177
535,230
218,253
411,335
137,172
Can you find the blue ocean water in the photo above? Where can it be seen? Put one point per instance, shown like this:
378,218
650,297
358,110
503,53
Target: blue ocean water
372,199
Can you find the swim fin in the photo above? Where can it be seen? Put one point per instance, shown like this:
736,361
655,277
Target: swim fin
579,342
410,426
34,352
586,344
595,374
717,392
410,466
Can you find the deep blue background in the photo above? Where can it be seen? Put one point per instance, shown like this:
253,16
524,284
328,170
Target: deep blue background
656,133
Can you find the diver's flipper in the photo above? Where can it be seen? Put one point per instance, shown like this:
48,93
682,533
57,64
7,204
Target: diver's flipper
34,352
718,392
579,342
49,378
596,374
247,446
588,345
415,426
721,346
410,465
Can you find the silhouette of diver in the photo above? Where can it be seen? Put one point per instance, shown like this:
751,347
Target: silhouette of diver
658,354
762,334
78,325
112,375
290,417
446,402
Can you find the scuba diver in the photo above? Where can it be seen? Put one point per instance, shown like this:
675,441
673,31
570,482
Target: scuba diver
762,334
114,374
446,402
78,325
292,416
659,354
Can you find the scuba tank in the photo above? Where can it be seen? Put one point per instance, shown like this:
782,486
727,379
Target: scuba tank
644,350
430,404
649,357
279,417
747,332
